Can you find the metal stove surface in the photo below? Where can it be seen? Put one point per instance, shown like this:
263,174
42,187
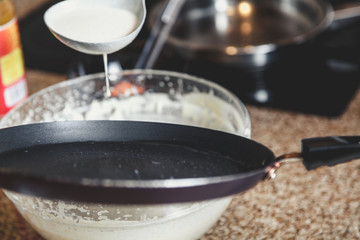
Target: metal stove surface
321,79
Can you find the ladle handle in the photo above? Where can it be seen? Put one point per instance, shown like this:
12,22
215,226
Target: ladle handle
346,11
159,34
329,151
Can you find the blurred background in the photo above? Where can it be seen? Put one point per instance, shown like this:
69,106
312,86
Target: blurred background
318,74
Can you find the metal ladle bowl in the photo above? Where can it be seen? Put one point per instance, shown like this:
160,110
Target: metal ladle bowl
135,6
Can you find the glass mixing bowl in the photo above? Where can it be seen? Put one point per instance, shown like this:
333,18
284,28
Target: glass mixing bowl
142,95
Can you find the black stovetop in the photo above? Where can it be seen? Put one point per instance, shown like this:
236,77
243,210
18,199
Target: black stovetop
321,79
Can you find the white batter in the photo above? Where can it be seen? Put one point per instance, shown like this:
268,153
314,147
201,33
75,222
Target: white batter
69,221
94,23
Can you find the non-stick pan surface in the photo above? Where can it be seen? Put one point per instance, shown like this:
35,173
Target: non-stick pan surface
128,162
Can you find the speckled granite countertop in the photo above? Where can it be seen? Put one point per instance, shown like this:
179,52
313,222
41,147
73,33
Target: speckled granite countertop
320,204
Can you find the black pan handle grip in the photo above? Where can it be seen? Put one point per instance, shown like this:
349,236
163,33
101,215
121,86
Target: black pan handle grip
329,151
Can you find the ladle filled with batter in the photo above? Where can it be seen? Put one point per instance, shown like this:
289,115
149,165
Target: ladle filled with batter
96,27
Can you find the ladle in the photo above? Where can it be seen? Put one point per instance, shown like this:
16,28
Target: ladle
143,162
79,24
57,11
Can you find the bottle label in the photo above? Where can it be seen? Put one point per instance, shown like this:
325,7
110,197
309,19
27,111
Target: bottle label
13,85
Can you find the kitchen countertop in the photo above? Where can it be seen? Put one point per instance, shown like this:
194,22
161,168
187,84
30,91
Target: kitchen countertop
320,204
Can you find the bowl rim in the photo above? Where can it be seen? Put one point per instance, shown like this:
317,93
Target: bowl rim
77,80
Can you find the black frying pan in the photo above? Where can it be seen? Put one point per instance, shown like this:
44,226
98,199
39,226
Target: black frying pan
143,162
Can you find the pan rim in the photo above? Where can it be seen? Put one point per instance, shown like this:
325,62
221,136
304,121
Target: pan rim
205,187
75,125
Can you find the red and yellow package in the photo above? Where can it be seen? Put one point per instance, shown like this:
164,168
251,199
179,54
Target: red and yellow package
13,84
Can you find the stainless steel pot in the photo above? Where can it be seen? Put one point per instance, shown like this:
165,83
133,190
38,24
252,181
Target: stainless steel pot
248,33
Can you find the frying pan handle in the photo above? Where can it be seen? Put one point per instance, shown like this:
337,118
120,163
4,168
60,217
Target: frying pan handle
329,151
